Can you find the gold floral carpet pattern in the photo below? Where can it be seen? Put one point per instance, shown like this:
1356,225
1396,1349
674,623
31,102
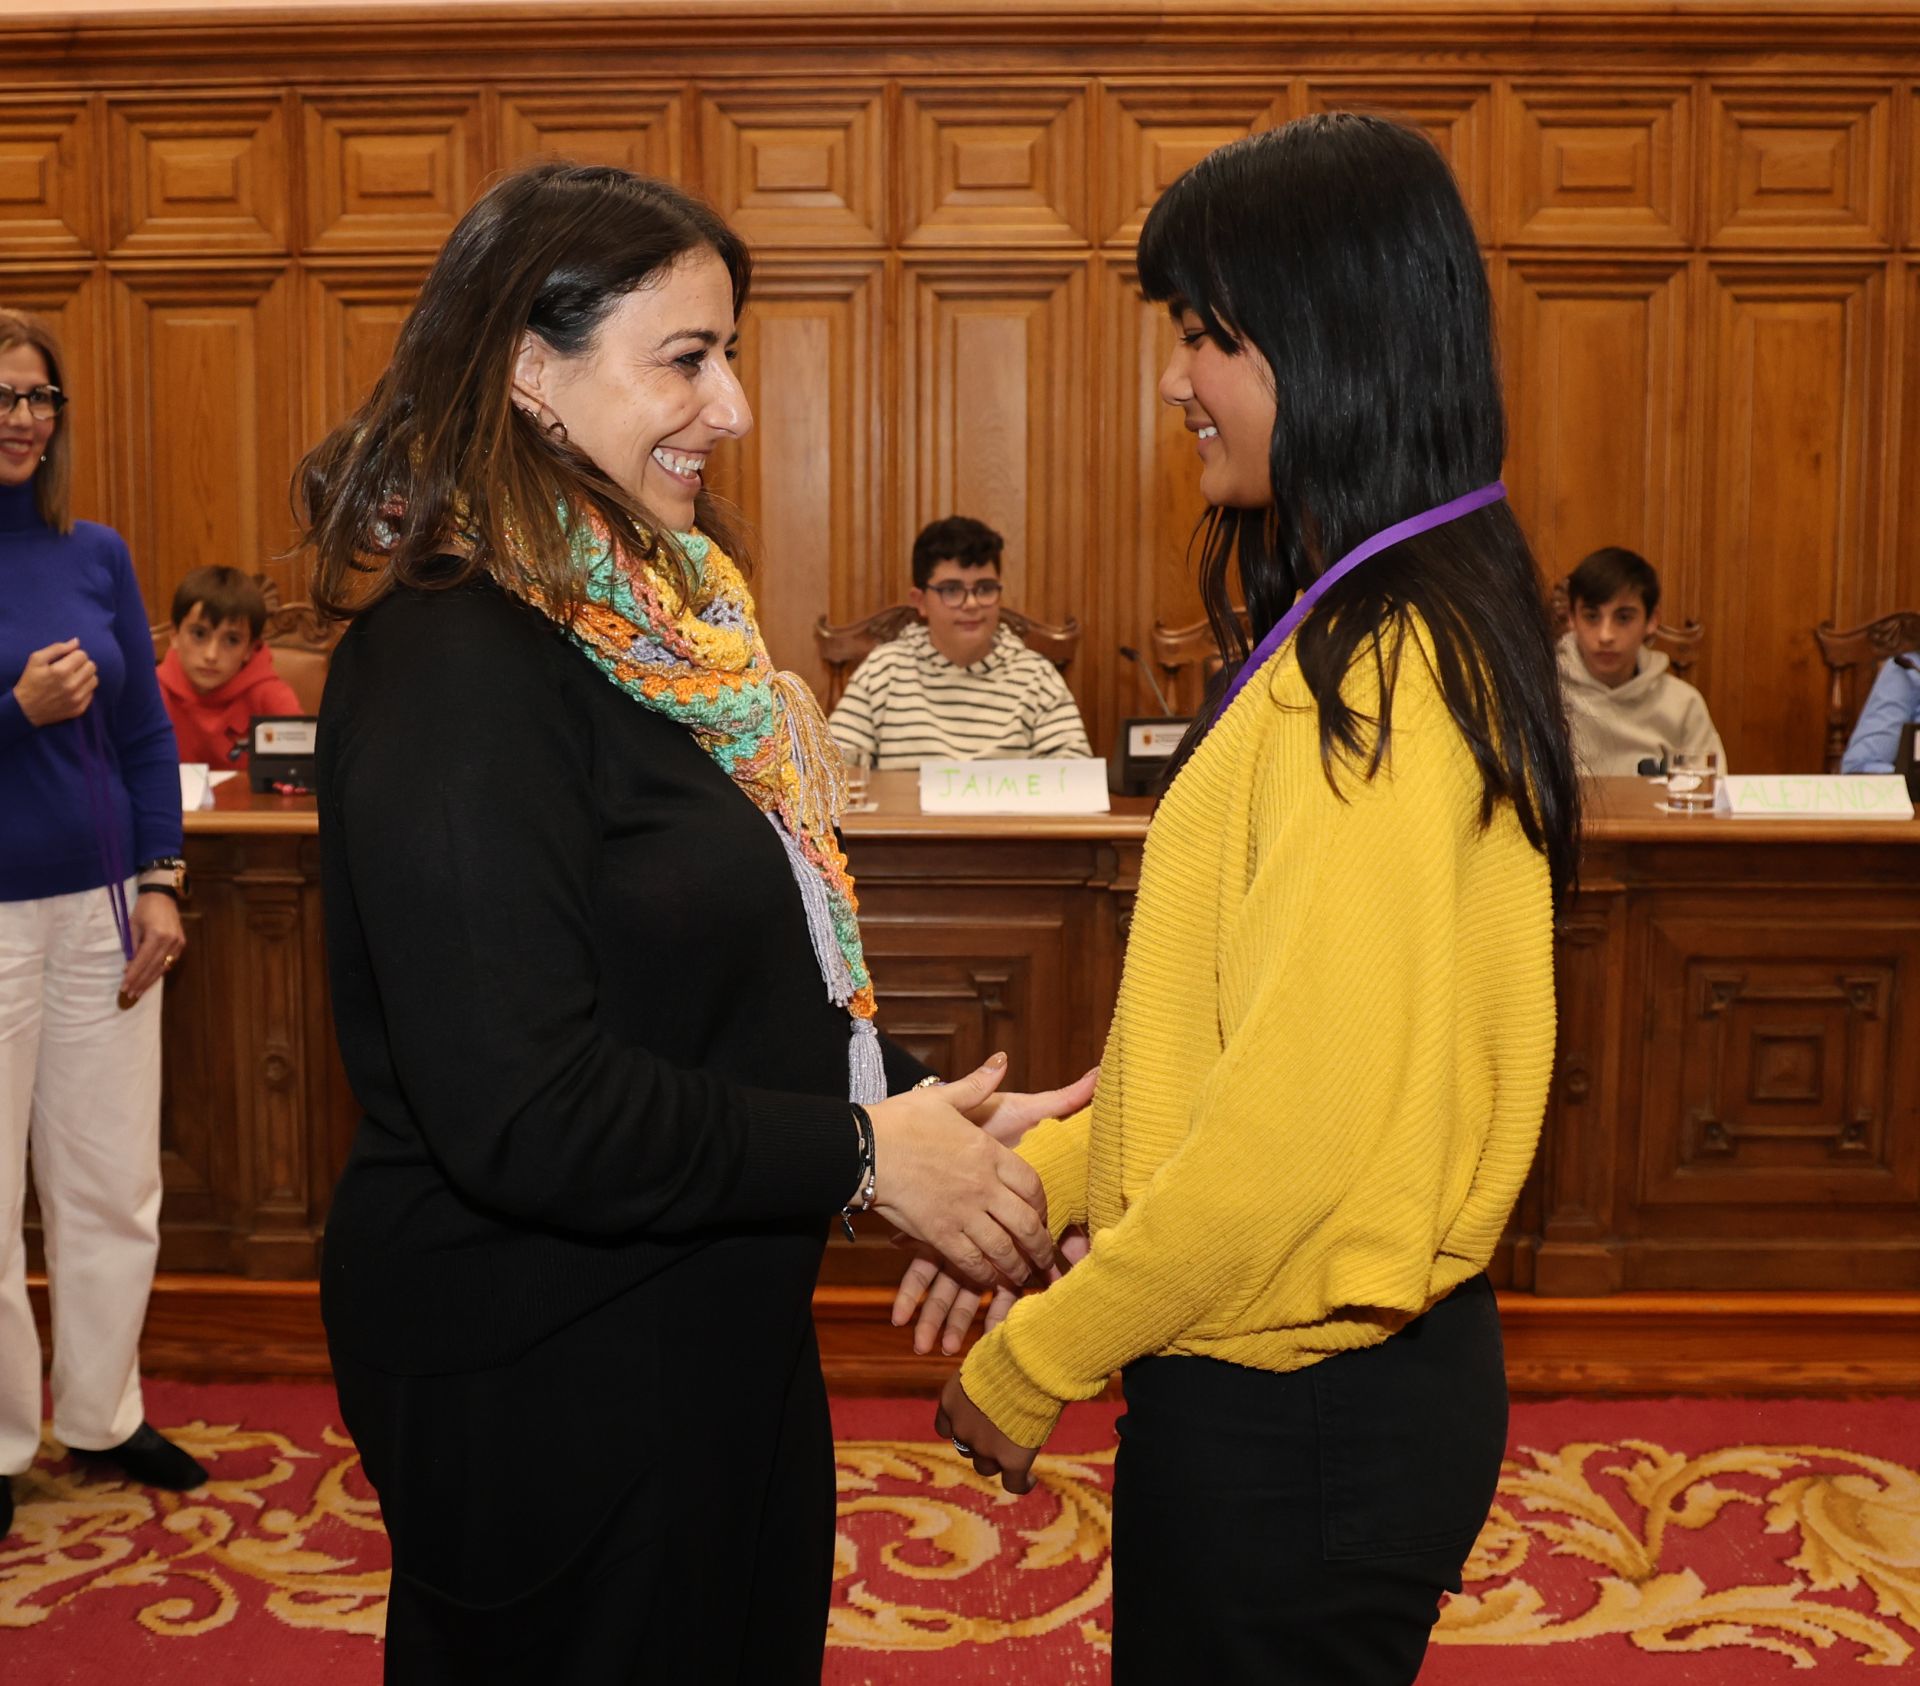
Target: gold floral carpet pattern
1634,1543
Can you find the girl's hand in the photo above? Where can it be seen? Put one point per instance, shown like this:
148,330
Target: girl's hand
1007,1118
944,1300
960,1420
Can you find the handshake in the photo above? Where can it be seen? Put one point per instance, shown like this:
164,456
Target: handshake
974,1215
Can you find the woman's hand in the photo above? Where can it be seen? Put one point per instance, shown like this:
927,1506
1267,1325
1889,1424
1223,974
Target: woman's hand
942,1181
57,683
158,941
960,1420
942,1299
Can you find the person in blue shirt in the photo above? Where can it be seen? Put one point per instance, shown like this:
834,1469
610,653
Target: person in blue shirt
1893,701
90,881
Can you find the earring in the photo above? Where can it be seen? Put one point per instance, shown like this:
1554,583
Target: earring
556,430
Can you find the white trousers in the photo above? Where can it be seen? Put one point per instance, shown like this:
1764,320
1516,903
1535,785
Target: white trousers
80,1081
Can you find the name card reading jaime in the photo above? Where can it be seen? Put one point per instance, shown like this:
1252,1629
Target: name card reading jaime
1814,796
1013,787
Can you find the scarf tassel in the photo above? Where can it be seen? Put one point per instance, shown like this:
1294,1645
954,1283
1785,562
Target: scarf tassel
834,969
866,1071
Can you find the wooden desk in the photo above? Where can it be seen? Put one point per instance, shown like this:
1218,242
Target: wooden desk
1737,1103
983,934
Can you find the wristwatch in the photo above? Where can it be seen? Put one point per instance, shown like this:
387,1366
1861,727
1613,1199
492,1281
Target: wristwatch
174,884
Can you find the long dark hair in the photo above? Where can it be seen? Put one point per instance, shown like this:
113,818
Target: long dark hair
1339,247
439,475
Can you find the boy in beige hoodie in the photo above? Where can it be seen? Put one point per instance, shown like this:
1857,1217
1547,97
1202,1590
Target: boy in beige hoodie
1625,705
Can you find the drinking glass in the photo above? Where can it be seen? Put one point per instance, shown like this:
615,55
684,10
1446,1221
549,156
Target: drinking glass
1691,780
855,772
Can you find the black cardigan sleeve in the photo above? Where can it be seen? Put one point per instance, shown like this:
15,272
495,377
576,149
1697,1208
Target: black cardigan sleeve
462,789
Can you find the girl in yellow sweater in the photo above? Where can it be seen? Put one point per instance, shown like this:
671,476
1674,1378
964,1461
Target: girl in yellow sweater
1325,1076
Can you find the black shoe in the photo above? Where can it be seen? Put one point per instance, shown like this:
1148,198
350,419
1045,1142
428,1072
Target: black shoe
6,1506
152,1460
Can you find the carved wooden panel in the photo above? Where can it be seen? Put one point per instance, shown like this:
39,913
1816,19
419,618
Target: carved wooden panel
1597,165
1792,371
277,1236
73,302
810,476
198,1109
1896,582
1595,363
962,983
1154,133
389,172
797,166
46,179
1457,118
199,176
352,321
994,167
636,129
1774,1074
204,421
1578,1142
994,416
1800,167
1148,520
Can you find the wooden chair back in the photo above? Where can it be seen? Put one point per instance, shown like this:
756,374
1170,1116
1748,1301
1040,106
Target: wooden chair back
843,648
1187,658
1847,654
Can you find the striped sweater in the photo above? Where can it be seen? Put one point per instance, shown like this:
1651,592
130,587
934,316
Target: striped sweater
1324,1081
906,703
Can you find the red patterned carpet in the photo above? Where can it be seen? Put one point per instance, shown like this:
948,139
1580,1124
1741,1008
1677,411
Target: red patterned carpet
1636,1543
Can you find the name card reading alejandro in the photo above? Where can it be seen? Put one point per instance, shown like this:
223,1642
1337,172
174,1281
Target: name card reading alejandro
1814,796
1013,787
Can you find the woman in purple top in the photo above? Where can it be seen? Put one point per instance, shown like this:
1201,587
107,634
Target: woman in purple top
90,881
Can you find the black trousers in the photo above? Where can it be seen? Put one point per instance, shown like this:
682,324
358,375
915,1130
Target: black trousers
1301,1528
645,1496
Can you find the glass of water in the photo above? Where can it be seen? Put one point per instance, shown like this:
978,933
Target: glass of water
854,770
1691,782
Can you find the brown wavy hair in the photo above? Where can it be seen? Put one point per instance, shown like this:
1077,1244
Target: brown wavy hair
53,480
439,476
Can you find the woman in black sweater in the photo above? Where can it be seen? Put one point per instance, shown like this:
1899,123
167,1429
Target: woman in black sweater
596,980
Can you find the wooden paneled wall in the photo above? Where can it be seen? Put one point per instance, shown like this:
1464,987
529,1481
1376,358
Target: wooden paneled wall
1702,220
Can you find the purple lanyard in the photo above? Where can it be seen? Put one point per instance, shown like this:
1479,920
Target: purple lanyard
97,767
1289,623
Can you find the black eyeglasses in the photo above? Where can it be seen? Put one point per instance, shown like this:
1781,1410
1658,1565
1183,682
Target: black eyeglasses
955,592
43,402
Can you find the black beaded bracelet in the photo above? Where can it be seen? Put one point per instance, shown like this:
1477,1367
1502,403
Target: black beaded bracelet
864,1196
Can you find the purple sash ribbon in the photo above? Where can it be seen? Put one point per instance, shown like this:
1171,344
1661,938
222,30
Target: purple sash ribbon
1289,623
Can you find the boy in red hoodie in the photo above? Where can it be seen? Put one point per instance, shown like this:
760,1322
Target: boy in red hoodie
218,675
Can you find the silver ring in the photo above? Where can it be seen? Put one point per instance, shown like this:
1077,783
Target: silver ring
962,1447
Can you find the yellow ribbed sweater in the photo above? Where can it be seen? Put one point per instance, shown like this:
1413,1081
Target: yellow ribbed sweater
1324,1081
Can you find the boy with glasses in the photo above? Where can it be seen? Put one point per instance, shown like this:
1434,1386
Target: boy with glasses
958,685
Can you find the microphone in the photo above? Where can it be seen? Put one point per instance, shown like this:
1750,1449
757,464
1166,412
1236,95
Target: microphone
1159,695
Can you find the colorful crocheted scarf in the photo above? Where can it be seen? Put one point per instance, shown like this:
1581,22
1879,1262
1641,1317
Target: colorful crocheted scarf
705,665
